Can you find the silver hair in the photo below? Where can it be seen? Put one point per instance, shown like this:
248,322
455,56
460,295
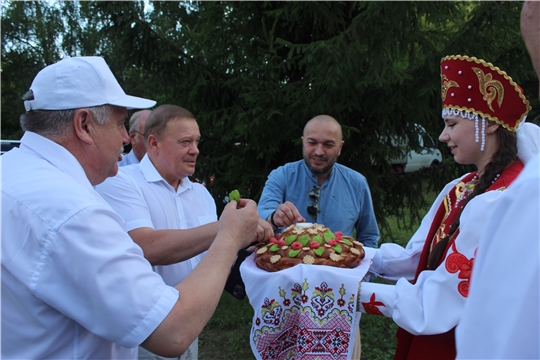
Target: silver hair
56,122
134,121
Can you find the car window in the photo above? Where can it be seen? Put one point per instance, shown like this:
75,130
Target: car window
428,141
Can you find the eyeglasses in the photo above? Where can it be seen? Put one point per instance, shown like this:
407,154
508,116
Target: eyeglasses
138,132
313,208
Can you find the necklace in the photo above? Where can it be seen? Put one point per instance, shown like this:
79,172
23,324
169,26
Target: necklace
464,189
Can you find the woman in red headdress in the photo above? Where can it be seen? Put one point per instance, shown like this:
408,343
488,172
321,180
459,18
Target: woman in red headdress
482,109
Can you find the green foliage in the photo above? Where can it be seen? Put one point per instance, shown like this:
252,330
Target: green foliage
254,72
227,334
378,336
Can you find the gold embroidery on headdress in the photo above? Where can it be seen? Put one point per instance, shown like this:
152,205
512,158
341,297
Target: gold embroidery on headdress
445,85
489,88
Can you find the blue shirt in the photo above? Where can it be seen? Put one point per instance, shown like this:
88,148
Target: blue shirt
344,202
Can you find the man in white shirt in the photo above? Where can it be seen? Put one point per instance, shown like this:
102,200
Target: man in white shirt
74,284
501,319
156,197
136,138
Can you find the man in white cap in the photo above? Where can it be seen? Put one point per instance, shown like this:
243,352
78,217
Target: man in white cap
136,138
74,284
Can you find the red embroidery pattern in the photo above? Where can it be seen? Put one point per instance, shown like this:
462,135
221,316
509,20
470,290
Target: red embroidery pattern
310,326
457,262
371,306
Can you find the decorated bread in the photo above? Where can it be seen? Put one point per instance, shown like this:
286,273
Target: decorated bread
311,244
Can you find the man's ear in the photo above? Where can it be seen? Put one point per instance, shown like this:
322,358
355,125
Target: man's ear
83,124
152,143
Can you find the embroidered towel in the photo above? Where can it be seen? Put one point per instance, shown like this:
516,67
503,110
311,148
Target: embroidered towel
304,312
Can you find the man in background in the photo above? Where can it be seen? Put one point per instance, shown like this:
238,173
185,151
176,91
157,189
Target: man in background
158,201
319,190
136,138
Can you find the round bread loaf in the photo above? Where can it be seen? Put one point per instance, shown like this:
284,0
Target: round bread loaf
311,244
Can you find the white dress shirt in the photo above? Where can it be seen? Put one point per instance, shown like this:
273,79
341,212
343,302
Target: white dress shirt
128,159
144,199
74,284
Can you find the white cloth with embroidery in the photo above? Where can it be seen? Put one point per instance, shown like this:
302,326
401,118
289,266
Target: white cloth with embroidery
305,312
434,304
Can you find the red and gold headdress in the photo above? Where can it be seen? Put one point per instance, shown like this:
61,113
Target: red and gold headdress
473,89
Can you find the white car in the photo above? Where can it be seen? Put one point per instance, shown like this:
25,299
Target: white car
428,155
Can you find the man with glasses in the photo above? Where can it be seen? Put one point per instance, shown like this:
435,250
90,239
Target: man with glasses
319,190
136,137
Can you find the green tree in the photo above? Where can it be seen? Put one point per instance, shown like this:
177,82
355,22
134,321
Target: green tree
254,72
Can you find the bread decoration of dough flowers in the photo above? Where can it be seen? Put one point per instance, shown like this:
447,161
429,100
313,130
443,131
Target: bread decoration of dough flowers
310,244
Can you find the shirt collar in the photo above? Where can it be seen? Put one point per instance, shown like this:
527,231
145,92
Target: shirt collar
149,170
313,177
152,175
185,185
57,155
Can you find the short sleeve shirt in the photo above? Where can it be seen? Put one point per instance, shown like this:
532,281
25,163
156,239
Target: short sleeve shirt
74,284
144,199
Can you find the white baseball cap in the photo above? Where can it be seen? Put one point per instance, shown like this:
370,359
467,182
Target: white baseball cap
79,82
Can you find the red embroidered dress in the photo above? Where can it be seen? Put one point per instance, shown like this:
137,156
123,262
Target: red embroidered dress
428,310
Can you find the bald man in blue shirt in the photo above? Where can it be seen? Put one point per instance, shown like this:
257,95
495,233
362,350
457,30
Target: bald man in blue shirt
319,190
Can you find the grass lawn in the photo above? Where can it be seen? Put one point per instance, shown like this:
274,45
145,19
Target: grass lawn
227,334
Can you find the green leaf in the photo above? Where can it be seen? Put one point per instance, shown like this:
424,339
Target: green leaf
290,239
294,253
234,195
338,249
304,239
328,235
274,248
318,239
319,251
